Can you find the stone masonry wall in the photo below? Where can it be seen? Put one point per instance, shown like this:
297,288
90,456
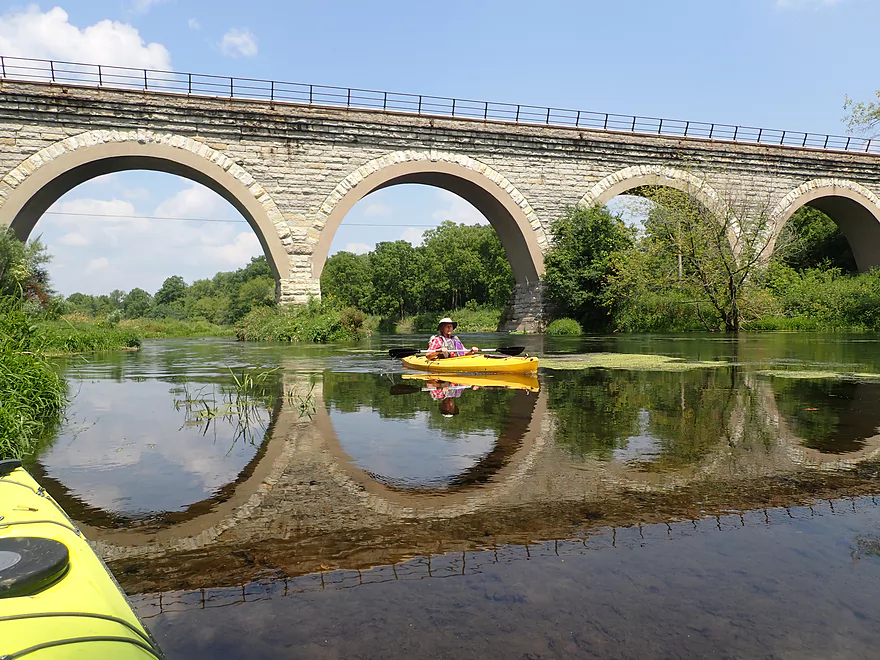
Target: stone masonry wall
299,155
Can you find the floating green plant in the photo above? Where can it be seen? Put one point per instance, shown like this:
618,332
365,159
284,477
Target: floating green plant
806,374
627,361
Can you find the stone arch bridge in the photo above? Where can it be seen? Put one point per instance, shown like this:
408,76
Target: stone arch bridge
294,170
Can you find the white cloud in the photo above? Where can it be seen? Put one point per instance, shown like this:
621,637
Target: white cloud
457,210
358,248
239,42
806,4
50,35
143,6
73,239
239,251
413,235
378,211
97,264
194,24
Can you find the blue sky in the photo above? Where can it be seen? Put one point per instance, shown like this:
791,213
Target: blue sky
774,63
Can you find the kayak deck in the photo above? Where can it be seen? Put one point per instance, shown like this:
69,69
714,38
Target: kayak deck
77,612
485,364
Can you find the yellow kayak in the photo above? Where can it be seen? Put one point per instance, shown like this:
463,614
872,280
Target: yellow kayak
514,381
57,598
474,364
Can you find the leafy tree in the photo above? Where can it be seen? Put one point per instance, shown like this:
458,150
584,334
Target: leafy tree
23,268
393,276
346,280
135,303
579,265
862,117
173,291
708,259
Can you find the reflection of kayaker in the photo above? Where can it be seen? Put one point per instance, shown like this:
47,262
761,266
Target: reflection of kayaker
444,344
514,381
446,393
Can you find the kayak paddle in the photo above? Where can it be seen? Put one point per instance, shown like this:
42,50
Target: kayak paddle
406,352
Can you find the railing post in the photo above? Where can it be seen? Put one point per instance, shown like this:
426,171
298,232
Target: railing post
385,101
516,120
146,84
605,125
348,97
453,107
3,65
687,127
485,110
868,148
420,104
760,133
577,121
660,127
548,117
825,146
231,87
735,131
805,140
634,125
271,90
782,139
52,69
311,94
711,130
846,147
100,77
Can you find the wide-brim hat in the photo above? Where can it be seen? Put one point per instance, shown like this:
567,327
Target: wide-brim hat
447,320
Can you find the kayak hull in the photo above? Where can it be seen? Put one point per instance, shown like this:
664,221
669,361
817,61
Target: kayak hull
474,364
81,612
510,381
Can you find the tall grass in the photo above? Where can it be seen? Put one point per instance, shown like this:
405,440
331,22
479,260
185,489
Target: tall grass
32,394
65,338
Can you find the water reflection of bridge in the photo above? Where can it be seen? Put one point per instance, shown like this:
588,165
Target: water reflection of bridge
306,508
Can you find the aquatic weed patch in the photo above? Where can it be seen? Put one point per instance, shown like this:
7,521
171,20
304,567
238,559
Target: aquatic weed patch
626,361
820,374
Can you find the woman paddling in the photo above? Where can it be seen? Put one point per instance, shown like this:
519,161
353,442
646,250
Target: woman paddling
445,344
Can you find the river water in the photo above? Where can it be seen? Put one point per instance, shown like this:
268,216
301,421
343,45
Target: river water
339,507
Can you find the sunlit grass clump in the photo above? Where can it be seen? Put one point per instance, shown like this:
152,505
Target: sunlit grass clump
65,338
311,322
564,326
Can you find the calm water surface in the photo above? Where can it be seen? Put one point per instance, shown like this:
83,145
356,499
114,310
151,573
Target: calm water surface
346,509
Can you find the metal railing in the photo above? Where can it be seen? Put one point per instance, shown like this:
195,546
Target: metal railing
197,84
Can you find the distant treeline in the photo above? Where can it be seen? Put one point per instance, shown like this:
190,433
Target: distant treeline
223,299
456,265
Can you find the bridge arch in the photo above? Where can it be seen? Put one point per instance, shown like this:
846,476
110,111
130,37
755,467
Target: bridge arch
854,208
490,192
636,176
29,189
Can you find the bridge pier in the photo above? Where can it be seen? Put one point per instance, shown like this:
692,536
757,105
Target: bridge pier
525,309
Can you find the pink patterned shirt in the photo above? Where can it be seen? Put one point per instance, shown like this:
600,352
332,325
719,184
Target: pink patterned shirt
452,344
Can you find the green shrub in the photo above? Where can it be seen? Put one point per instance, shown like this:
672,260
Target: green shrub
32,394
564,326
312,322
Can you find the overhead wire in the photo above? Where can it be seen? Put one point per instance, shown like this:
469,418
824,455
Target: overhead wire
221,220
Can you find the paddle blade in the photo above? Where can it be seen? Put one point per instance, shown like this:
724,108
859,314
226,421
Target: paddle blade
402,352
510,350
403,388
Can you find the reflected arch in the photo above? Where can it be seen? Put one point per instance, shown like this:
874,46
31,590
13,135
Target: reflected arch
854,208
39,181
518,227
